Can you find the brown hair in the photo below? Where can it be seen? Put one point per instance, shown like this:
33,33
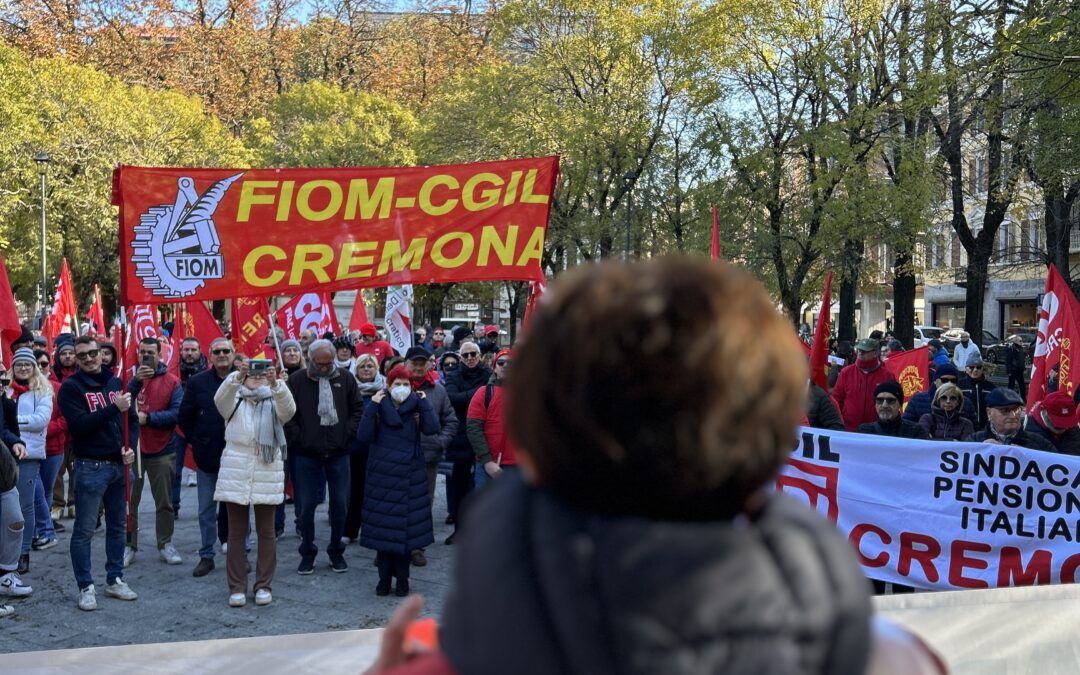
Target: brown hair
669,389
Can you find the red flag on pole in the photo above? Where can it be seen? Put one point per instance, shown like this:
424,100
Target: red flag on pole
911,369
310,311
64,301
536,291
1059,333
359,313
820,351
250,325
716,234
96,315
144,324
10,329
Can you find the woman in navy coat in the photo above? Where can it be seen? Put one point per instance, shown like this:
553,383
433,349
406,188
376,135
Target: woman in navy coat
396,512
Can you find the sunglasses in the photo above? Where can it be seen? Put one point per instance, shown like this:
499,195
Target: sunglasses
948,380
502,362
469,355
975,367
87,355
950,398
220,352
43,364
886,400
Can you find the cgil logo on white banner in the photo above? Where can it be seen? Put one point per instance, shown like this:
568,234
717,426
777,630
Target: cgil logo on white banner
944,515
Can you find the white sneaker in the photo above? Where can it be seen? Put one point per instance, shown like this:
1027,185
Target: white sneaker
263,597
237,600
6,610
169,555
120,590
129,556
88,599
224,547
11,584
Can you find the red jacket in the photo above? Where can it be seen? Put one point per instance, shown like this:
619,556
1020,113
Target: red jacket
380,349
854,393
56,436
159,397
493,420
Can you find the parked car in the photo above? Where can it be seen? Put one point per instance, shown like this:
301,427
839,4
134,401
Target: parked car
951,338
924,334
996,353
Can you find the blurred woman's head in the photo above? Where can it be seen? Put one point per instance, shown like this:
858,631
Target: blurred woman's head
367,368
679,398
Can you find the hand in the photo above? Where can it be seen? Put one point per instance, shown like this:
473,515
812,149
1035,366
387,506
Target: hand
393,650
492,469
128,456
420,394
142,417
271,377
20,451
144,373
123,401
243,371
379,396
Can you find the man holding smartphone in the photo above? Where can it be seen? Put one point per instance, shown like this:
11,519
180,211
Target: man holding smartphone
157,394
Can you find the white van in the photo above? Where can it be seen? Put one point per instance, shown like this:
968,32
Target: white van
924,334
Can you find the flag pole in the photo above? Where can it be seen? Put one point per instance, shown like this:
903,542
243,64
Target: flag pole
277,347
127,422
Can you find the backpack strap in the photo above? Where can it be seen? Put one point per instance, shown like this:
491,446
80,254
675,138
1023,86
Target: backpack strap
489,392
233,413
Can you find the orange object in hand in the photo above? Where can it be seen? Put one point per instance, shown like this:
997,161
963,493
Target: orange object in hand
421,637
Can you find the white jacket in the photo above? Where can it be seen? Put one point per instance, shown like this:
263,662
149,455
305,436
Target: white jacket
243,477
35,411
961,353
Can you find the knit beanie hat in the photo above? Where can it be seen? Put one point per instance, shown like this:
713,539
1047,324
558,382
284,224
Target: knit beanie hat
24,354
890,387
285,344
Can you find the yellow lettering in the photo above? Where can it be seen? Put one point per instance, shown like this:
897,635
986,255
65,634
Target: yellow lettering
504,249
489,196
527,196
534,248
440,259
323,255
350,259
286,200
380,199
249,198
429,186
511,188
303,204
394,260
252,276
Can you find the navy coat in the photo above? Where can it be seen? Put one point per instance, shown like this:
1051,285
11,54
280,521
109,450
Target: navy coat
396,512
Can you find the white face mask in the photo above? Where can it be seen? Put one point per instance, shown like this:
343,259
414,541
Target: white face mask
400,392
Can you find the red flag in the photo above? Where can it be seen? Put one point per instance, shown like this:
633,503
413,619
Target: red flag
1059,332
911,369
10,329
144,324
359,312
192,319
96,315
64,301
716,235
536,292
820,350
250,325
311,311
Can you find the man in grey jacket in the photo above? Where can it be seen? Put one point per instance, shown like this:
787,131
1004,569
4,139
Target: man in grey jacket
434,446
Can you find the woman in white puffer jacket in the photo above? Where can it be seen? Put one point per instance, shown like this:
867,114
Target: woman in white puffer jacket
252,472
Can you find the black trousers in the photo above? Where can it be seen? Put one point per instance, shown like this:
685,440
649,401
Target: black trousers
458,484
357,476
394,565
1017,378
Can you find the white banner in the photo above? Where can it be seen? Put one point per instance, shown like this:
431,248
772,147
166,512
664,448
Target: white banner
399,317
942,515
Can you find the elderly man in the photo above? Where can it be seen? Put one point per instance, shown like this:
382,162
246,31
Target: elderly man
965,350
306,338
854,390
434,446
1054,418
328,411
1005,409
888,399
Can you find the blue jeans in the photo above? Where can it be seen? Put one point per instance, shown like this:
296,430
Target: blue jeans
43,523
482,478
98,482
27,486
310,472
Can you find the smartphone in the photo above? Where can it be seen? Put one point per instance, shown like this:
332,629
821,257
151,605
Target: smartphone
259,366
148,360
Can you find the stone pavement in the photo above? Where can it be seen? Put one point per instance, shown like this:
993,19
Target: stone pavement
174,606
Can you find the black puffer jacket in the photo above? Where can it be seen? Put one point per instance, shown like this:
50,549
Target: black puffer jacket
543,588
460,386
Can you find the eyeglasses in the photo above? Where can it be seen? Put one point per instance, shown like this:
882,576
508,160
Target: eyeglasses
21,364
502,362
950,380
439,334
950,398
886,400
975,367
87,355
220,352
44,365
469,355
1010,411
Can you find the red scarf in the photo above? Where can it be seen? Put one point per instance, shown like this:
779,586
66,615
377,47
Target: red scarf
18,390
431,377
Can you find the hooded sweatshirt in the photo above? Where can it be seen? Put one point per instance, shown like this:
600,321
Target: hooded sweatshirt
95,424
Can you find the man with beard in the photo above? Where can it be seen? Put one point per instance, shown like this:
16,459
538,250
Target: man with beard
461,384
854,391
192,361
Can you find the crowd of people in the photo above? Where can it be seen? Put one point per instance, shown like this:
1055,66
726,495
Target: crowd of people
341,419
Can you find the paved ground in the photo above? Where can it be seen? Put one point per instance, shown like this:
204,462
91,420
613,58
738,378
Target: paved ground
174,606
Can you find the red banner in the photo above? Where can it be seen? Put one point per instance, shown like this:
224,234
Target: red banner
819,371
911,369
359,313
250,326
10,328
204,234
1059,332
143,322
96,315
310,311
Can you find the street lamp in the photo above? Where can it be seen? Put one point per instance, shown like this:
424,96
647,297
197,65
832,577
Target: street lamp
629,177
42,160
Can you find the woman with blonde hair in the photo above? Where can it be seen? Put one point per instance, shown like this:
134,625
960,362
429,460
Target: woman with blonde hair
945,422
33,395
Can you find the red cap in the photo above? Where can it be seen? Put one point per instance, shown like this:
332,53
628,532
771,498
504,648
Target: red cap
501,353
1061,409
368,329
491,329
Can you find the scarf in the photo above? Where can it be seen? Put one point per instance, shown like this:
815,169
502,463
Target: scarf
430,376
369,389
327,412
269,435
